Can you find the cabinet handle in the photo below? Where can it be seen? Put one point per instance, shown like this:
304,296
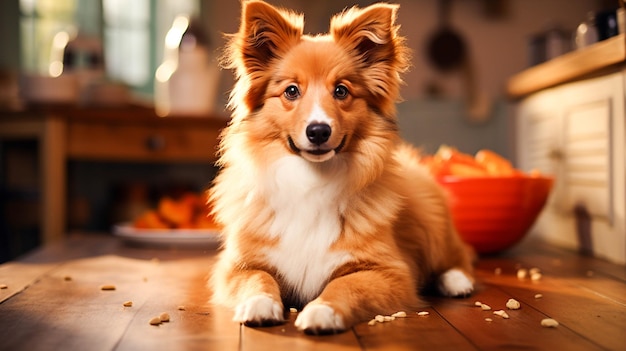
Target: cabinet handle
556,155
155,143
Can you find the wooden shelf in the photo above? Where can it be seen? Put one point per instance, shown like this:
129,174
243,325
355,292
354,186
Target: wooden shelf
569,67
125,115
130,133
126,134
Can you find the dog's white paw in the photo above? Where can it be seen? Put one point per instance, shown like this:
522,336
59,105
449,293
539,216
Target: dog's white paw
319,319
455,283
259,310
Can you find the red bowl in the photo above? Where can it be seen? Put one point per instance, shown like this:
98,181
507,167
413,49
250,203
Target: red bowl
494,213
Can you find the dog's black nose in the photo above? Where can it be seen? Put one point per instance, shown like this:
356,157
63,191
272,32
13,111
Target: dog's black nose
318,133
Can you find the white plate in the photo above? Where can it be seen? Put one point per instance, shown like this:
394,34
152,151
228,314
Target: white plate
167,236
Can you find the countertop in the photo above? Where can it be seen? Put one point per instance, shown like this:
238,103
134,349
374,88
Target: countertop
595,59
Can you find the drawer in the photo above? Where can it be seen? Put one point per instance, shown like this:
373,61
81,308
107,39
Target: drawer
587,157
137,142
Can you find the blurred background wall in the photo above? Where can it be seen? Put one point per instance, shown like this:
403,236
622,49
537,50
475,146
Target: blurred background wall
466,107
497,35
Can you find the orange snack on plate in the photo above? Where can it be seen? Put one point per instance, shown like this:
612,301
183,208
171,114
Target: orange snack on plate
193,200
205,222
176,212
150,220
189,211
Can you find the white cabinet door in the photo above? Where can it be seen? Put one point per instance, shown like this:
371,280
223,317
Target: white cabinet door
576,133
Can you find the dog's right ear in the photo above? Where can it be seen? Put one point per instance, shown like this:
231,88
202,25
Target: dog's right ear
266,33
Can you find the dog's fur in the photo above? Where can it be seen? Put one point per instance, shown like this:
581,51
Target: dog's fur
322,206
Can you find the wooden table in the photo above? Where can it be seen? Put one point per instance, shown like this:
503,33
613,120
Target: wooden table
53,301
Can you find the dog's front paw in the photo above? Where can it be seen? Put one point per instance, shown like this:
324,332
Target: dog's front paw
319,319
259,311
455,283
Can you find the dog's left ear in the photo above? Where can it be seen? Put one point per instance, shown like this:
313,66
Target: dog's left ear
371,35
266,33
371,32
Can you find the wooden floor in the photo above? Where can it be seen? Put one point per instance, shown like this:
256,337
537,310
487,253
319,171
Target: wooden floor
52,301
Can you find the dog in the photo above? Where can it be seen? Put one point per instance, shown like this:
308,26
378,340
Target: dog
323,207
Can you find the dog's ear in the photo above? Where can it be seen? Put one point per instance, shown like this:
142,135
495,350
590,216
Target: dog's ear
372,36
371,32
266,33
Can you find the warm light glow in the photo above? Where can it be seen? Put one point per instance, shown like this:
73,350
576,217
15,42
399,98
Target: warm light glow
174,35
60,40
165,71
59,43
55,69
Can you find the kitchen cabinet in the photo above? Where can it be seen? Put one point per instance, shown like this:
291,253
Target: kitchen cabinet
575,130
132,134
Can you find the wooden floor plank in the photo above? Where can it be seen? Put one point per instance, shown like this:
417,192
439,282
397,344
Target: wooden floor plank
594,306
430,332
575,261
75,247
522,330
55,313
573,270
599,284
196,328
592,316
574,273
194,323
287,337
17,276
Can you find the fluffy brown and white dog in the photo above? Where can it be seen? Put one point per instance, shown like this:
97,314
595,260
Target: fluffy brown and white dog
322,206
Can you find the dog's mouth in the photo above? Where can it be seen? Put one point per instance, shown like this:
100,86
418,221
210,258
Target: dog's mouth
317,154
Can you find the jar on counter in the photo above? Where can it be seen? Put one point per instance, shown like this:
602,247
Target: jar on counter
186,82
586,32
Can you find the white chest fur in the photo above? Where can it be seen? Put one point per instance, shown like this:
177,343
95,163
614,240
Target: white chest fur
307,204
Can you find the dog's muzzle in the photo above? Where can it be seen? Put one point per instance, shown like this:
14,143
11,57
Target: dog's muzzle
317,135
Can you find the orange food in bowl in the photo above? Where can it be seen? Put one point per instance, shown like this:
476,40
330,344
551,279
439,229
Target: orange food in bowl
493,204
495,164
450,161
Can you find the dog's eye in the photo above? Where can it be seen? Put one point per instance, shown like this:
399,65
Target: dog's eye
341,92
292,92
